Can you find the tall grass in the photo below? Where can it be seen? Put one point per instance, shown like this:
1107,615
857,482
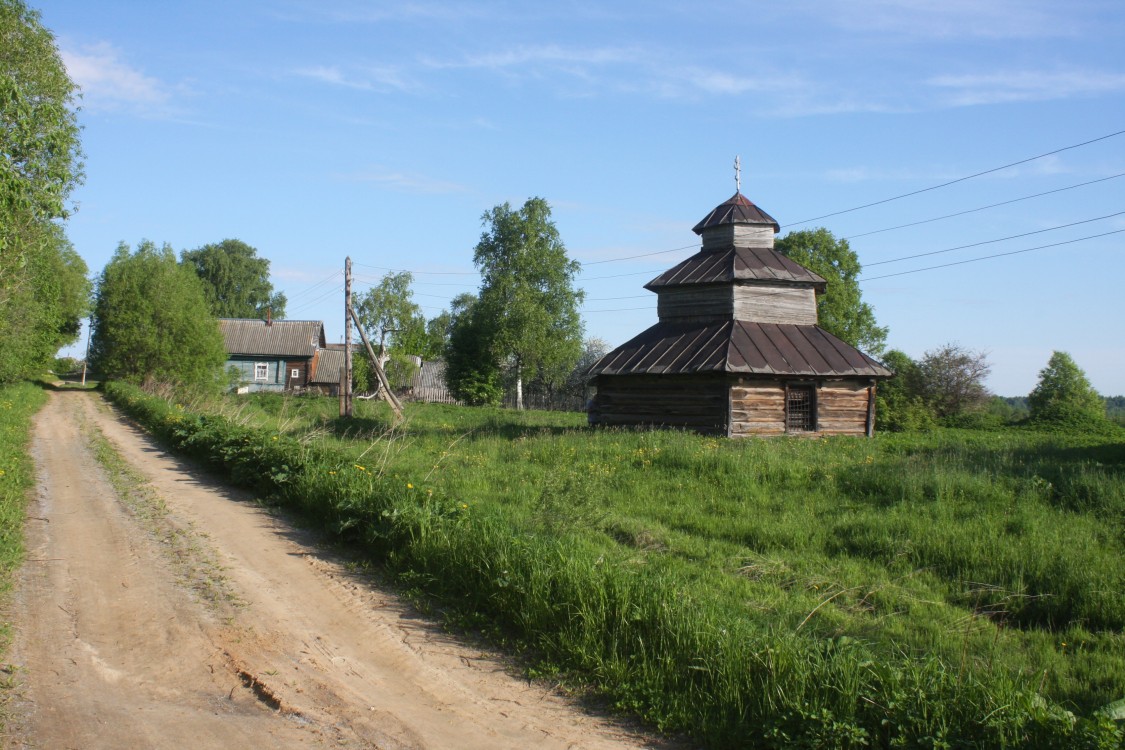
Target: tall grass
18,403
956,589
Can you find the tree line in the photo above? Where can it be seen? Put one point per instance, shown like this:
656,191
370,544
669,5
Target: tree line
44,292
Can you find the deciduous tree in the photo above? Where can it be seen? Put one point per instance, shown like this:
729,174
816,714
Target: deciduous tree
394,322
900,405
952,379
43,286
1064,395
151,322
472,370
527,295
236,282
841,310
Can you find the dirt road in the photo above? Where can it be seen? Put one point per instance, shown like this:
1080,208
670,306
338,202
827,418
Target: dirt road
128,635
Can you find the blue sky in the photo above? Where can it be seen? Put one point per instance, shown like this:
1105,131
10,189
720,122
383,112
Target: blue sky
318,130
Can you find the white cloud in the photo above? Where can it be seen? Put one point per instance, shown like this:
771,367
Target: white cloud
529,56
403,182
1025,85
379,78
108,83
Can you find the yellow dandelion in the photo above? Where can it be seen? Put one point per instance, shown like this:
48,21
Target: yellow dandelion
409,486
464,506
331,472
360,468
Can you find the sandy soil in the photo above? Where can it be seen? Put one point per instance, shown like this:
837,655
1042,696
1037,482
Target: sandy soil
127,635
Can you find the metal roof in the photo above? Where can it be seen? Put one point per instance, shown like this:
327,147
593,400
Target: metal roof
327,367
737,210
280,338
737,264
741,347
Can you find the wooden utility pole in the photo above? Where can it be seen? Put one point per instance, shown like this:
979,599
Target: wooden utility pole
346,384
346,387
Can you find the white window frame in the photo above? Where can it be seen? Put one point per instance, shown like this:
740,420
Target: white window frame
261,371
294,374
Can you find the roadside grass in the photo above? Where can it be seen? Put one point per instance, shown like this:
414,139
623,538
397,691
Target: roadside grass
947,589
18,404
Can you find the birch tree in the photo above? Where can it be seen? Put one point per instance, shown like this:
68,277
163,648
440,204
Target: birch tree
528,295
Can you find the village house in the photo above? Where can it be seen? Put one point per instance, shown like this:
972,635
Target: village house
737,350
272,355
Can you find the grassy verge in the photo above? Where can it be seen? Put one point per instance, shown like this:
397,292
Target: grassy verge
18,404
955,589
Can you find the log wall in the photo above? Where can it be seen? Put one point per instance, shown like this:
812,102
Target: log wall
757,408
842,407
758,303
735,406
741,235
695,303
761,303
695,402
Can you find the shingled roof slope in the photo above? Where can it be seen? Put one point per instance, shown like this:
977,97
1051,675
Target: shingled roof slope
737,210
279,338
740,347
736,264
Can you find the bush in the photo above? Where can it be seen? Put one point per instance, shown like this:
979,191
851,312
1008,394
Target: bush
1063,396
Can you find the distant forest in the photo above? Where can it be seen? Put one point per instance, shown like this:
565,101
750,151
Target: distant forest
1114,406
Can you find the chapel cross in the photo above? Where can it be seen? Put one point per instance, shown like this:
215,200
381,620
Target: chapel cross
738,174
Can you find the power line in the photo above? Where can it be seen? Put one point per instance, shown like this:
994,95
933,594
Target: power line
642,255
622,275
990,242
430,273
982,208
322,282
310,303
959,179
989,257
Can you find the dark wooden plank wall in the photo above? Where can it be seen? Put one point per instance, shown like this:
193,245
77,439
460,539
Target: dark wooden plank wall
695,303
738,234
697,402
302,379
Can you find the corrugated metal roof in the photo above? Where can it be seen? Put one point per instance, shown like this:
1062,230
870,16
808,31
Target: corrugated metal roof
327,366
737,210
281,338
736,264
740,347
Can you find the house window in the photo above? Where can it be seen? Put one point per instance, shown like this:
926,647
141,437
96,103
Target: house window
261,370
800,408
294,374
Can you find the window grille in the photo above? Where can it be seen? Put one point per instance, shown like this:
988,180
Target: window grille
799,409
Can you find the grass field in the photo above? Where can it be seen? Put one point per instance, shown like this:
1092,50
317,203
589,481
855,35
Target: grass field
947,589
